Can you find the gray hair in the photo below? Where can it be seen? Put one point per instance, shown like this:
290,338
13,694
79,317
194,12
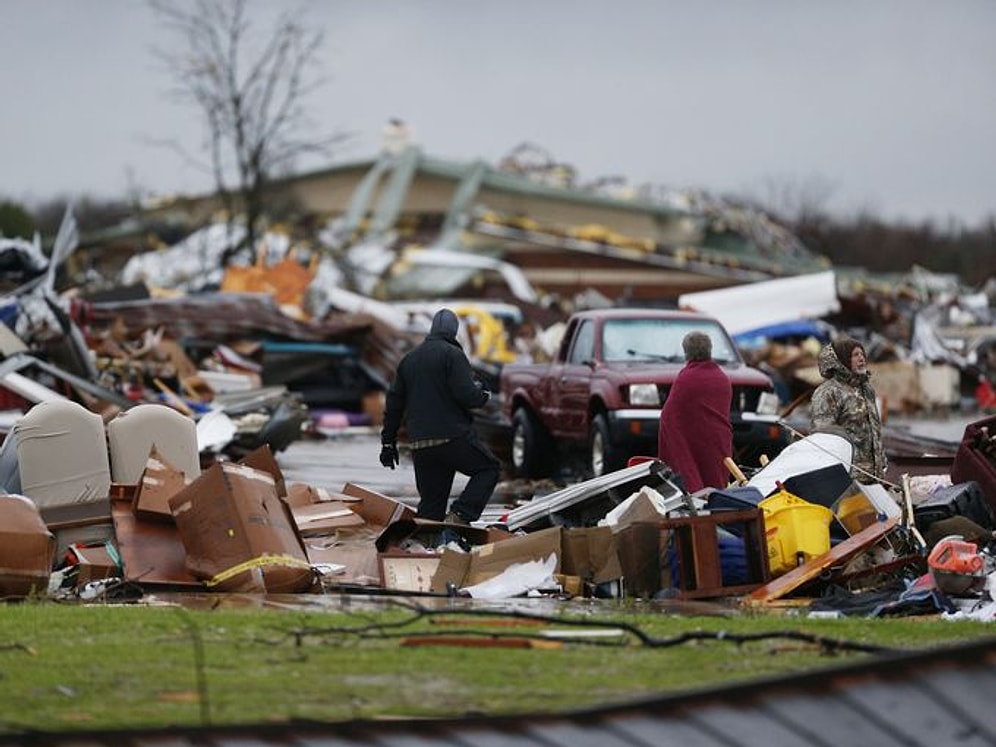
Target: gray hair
697,346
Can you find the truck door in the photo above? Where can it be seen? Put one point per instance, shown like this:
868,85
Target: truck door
574,383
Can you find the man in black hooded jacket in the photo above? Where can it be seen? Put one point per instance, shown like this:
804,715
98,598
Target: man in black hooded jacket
434,392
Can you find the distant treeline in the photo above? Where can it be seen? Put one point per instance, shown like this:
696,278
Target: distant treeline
883,247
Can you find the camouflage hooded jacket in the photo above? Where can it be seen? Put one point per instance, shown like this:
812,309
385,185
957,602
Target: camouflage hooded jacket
846,400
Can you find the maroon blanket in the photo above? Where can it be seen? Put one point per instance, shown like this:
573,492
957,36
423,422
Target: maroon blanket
695,431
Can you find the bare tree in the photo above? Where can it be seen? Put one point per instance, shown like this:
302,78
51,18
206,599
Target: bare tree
252,98
797,200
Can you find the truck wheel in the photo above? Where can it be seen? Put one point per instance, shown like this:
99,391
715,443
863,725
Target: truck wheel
602,457
530,452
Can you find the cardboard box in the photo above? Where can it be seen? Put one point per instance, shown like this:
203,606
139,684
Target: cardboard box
426,532
263,460
325,517
375,508
590,553
160,481
408,571
645,505
239,535
352,549
572,585
420,538
352,552
302,494
94,562
487,561
27,548
643,559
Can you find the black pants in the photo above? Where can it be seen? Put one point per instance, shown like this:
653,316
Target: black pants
436,467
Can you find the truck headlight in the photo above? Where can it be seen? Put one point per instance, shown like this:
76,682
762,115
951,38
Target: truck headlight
644,394
767,404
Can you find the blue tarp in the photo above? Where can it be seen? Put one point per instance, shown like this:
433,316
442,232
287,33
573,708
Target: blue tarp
795,328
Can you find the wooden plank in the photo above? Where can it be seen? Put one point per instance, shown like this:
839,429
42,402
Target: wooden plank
840,553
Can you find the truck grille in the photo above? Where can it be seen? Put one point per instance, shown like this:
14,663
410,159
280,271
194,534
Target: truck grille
746,398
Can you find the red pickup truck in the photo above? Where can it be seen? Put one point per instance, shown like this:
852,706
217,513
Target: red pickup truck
601,396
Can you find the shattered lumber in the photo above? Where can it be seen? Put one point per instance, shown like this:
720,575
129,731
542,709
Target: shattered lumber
840,553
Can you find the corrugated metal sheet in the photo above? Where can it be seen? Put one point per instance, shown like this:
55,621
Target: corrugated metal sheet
934,699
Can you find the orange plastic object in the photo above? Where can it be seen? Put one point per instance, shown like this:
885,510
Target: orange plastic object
955,555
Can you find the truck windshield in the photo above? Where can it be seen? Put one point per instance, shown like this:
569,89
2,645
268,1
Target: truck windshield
660,339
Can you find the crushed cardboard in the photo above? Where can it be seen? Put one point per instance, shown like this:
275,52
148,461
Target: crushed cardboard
239,534
242,527
159,482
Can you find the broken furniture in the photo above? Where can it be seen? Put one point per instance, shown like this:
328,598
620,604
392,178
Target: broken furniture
63,467
62,454
696,541
975,459
839,554
151,551
132,434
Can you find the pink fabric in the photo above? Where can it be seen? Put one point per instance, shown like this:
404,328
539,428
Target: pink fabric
695,432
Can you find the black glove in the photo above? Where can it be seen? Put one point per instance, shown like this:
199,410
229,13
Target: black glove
389,455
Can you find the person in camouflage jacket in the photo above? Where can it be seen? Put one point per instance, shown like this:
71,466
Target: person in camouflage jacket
847,400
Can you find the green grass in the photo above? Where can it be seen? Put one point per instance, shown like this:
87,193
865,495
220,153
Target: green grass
75,667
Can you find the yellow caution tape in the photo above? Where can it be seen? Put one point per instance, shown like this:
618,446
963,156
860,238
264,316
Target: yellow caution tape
258,562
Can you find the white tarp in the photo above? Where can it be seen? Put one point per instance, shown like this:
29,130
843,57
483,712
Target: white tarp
815,451
743,308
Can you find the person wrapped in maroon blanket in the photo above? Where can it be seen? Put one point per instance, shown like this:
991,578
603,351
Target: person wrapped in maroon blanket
696,434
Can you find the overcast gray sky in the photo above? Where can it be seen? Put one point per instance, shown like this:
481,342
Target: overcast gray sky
889,104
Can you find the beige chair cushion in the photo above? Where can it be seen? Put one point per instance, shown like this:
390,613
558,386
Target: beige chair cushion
132,433
62,454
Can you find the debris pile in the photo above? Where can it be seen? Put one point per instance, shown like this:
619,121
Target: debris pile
143,419
116,511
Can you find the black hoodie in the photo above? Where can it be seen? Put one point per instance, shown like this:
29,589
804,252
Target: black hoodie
434,389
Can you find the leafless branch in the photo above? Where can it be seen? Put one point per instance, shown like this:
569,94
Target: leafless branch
252,98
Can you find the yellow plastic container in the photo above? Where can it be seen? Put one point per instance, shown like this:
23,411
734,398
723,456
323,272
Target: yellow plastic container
795,529
855,512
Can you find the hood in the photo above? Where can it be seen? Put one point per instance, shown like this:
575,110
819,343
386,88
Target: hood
831,367
445,325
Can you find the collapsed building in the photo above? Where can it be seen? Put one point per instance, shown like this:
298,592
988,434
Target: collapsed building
253,347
